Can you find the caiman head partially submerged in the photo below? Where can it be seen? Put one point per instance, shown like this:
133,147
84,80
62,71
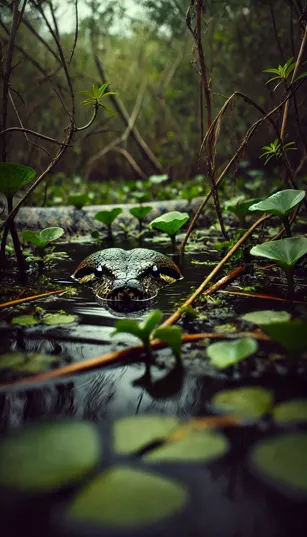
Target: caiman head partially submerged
126,277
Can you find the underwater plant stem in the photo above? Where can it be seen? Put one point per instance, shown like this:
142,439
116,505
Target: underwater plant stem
173,239
175,316
29,298
286,223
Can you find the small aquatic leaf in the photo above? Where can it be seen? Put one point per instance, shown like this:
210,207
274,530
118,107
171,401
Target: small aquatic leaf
140,212
78,200
128,326
292,335
226,353
47,456
25,320
108,217
282,462
249,402
266,317
286,252
239,205
172,336
151,321
134,433
281,203
170,222
42,238
13,177
158,179
58,318
194,446
291,411
127,498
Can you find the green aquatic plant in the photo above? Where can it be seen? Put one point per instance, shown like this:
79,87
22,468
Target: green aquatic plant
292,335
191,192
172,336
142,331
226,353
107,217
286,253
78,200
12,178
240,207
41,239
140,213
280,204
170,223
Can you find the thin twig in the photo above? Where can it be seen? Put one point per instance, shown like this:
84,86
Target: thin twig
29,298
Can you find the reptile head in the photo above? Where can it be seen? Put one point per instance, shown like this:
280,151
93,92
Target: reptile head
127,276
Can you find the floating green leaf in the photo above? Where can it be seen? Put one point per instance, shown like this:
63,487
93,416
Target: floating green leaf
280,203
172,336
27,362
282,462
108,217
142,330
170,222
47,318
249,402
291,411
286,252
42,238
47,456
140,212
13,177
292,335
226,353
134,433
266,317
125,497
194,446
78,200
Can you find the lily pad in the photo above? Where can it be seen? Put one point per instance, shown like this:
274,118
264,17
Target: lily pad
226,353
249,402
282,462
194,446
108,217
127,498
292,335
170,222
47,318
281,203
42,238
266,317
47,456
133,433
291,411
27,362
13,177
286,252
140,212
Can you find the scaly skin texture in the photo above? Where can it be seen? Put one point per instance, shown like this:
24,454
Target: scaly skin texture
127,275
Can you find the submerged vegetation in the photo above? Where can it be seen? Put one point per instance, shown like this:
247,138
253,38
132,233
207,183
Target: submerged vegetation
197,153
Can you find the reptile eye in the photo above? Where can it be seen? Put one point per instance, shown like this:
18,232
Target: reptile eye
155,271
98,272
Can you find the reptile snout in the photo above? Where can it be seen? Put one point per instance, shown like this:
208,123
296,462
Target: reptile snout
127,291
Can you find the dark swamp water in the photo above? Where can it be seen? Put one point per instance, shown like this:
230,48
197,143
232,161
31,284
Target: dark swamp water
226,496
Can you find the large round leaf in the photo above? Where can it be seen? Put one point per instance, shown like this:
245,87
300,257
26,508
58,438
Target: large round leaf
282,461
124,497
193,446
226,353
170,222
240,205
47,456
13,177
42,238
292,335
135,432
266,317
246,402
291,411
279,204
286,252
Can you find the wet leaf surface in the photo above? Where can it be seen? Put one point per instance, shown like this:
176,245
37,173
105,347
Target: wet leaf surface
291,411
266,317
226,353
246,402
133,433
